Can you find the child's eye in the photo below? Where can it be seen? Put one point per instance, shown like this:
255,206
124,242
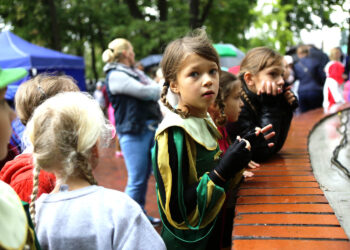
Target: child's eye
194,74
213,71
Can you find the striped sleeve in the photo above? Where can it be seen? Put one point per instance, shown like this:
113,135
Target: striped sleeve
186,200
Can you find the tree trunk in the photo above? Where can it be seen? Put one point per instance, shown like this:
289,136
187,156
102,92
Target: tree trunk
93,53
100,37
205,12
55,29
194,10
163,10
134,9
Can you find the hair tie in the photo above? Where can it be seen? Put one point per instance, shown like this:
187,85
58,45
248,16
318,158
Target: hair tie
166,84
41,91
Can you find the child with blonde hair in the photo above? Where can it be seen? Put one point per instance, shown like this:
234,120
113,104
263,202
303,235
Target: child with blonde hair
266,101
191,174
66,132
18,173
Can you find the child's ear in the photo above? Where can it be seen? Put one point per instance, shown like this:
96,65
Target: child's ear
248,78
174,87
124,52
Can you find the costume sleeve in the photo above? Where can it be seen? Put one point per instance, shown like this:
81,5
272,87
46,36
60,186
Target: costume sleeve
121,83
187,201
273,110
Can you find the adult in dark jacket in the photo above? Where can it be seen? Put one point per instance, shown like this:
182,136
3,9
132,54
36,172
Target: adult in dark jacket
310,72
266,101
134,98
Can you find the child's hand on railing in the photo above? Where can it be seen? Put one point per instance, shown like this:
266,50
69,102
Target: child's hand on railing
252,137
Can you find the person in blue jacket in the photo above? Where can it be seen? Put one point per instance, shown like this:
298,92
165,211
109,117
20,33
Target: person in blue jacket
310,73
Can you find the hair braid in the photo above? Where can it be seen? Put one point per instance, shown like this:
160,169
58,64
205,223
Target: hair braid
87,172
246,98
34,195
79,161
180,112
221,120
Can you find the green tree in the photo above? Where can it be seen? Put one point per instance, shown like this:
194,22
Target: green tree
272,30
300,15
229,20
85,27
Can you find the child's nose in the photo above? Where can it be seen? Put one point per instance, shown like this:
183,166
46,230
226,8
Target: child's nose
207,80
241,103
280,81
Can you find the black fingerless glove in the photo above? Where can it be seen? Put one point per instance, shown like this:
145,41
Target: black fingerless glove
269,100
235,159
253,138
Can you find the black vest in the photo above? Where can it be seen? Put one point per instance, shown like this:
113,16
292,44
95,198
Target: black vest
131,113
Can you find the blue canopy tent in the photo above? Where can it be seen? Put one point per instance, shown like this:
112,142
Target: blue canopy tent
16,52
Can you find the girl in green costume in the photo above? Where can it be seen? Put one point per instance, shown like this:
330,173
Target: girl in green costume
191,174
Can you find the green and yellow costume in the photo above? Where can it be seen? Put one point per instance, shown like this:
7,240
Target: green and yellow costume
186,150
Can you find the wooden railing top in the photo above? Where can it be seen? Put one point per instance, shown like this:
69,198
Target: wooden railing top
282,206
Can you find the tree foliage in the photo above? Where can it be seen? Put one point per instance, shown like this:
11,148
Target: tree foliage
272,29
280,28
300,15
85,27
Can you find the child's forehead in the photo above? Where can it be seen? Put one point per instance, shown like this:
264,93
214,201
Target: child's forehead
277,67
195,60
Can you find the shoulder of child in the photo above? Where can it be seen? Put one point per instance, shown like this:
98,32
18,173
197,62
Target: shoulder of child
201,130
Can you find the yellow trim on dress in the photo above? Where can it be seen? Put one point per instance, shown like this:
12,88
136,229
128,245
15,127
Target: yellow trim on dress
194,127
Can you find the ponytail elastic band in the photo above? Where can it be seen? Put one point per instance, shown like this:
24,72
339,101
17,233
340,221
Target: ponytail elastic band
166,84
41,91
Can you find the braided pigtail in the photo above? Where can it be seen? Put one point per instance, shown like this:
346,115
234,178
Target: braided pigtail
163,97
80,161
183,113
222,119
34,194
246,98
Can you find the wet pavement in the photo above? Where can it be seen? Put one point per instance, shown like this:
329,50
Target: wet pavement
334,181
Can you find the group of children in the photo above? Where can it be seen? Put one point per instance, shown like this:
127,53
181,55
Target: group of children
198,160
